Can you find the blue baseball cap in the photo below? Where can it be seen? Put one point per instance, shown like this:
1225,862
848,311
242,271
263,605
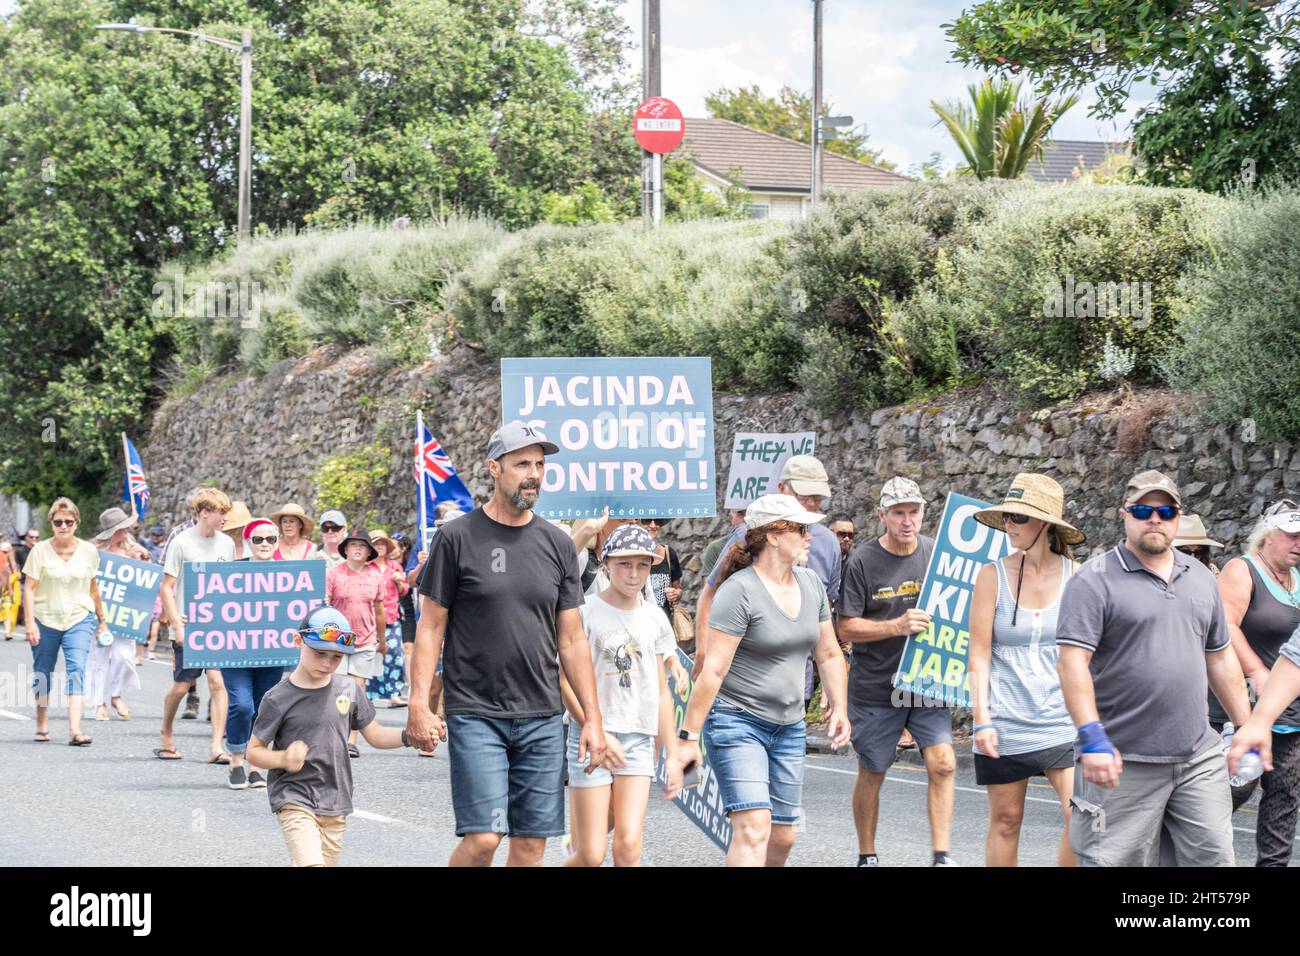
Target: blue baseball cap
330,621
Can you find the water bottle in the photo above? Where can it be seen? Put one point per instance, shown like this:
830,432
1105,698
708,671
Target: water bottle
1228,732
1249,768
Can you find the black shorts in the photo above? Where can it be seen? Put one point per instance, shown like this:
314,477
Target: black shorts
180,673
1012,768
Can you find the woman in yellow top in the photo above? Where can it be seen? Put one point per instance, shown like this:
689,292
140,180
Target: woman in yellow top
9,593
62,610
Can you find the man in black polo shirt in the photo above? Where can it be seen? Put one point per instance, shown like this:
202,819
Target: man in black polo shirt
1142,633
500,593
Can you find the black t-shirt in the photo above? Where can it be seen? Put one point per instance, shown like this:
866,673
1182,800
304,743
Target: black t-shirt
878,586
502,587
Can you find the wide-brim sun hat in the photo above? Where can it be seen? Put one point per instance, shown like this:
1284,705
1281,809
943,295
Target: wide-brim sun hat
1036,496
770,508
237,517
294,510
1191,533
111,522
381,535
363,538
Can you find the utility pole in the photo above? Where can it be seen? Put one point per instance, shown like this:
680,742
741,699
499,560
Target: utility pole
246,134
650,87
815,173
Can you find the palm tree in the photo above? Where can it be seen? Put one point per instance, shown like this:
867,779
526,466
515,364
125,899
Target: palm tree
998,132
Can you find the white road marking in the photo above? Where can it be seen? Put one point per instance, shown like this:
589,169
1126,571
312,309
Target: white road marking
378,818
13,716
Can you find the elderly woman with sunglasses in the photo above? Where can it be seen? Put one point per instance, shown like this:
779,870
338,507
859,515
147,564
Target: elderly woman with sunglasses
1261,602
768,613
63,611
1022,727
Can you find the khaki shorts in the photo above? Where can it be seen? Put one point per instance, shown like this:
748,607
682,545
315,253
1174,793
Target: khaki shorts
312,840
361,663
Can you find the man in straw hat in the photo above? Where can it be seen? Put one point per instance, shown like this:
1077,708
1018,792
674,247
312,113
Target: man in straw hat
1143,636
501,591
878,612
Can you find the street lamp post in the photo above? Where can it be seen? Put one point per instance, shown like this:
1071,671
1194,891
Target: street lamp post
245,50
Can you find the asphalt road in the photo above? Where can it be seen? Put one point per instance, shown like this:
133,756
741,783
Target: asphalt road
114,804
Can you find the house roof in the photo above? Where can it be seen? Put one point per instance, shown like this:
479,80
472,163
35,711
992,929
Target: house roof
772,163
1062,157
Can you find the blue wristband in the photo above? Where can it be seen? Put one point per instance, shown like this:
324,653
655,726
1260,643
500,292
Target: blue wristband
982,727
1092,739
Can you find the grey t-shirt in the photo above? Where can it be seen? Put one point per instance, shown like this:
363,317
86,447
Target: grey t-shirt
322,718
766,675
1149,639
502,587
878,586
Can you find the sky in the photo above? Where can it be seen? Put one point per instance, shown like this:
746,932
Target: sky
883,62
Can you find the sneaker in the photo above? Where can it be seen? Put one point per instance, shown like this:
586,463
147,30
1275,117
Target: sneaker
868,859
191,707
944,859
353,751
256,781
238,778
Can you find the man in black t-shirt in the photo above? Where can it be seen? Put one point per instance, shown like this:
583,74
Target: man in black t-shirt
877,613
499,599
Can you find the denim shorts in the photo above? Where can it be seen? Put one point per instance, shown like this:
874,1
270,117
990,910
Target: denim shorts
506,774
759,764
75,643
638,748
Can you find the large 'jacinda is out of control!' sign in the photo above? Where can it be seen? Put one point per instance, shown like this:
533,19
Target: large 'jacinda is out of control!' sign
635,434
246,613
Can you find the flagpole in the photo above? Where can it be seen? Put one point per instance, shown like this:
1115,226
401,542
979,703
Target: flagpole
126,460
419,476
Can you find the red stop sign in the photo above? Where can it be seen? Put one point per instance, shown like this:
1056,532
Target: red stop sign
659,125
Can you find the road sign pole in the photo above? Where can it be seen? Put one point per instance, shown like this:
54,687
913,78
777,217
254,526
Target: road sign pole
658,162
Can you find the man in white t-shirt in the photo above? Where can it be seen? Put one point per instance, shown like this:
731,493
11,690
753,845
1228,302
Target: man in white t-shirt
202,542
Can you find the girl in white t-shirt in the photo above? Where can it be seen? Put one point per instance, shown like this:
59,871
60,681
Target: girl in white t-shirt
628,636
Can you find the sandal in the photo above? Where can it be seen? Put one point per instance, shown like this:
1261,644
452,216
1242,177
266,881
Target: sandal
41,737
121,709
223,759
353,751
81,740
166,753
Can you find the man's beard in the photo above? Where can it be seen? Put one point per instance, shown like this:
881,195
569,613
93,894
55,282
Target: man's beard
523,502
1153,549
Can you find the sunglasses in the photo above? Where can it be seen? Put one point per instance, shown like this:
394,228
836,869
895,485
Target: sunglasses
330,632
654,521
846,535
1014,518
268,539
331,527
1143,512
64,522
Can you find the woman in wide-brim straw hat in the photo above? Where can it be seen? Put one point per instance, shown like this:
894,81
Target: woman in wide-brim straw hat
1022,727
1193,540
296,527
110,668
236,520
386,680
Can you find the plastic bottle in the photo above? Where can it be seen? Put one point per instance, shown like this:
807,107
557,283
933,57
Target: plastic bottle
1249,768
1228,732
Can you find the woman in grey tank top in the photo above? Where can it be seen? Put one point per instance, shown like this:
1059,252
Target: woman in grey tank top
1022,727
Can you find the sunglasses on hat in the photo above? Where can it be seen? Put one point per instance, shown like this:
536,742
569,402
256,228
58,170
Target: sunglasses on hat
331,633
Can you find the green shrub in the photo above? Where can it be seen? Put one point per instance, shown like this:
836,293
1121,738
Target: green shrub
350,482
1238,316
1053,272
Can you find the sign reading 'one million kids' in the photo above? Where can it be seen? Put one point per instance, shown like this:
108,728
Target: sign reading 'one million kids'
128,589
635,434
702,804
934,661
246,613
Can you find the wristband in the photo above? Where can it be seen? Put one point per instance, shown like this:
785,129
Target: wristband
1092,739
976,730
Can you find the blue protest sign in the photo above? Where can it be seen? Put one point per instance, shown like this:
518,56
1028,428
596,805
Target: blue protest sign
128,589
702,804
933,665
246,613
635,434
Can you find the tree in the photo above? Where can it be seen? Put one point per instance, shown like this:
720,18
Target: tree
120,151
1223,109
1000,131
789,114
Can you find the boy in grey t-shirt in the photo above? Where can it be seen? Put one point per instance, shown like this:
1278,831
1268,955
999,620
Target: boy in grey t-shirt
301,736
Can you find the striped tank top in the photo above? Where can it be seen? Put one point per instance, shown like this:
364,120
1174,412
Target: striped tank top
1026,703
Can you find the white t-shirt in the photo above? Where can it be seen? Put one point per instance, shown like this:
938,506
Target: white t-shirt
191,547
625,646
